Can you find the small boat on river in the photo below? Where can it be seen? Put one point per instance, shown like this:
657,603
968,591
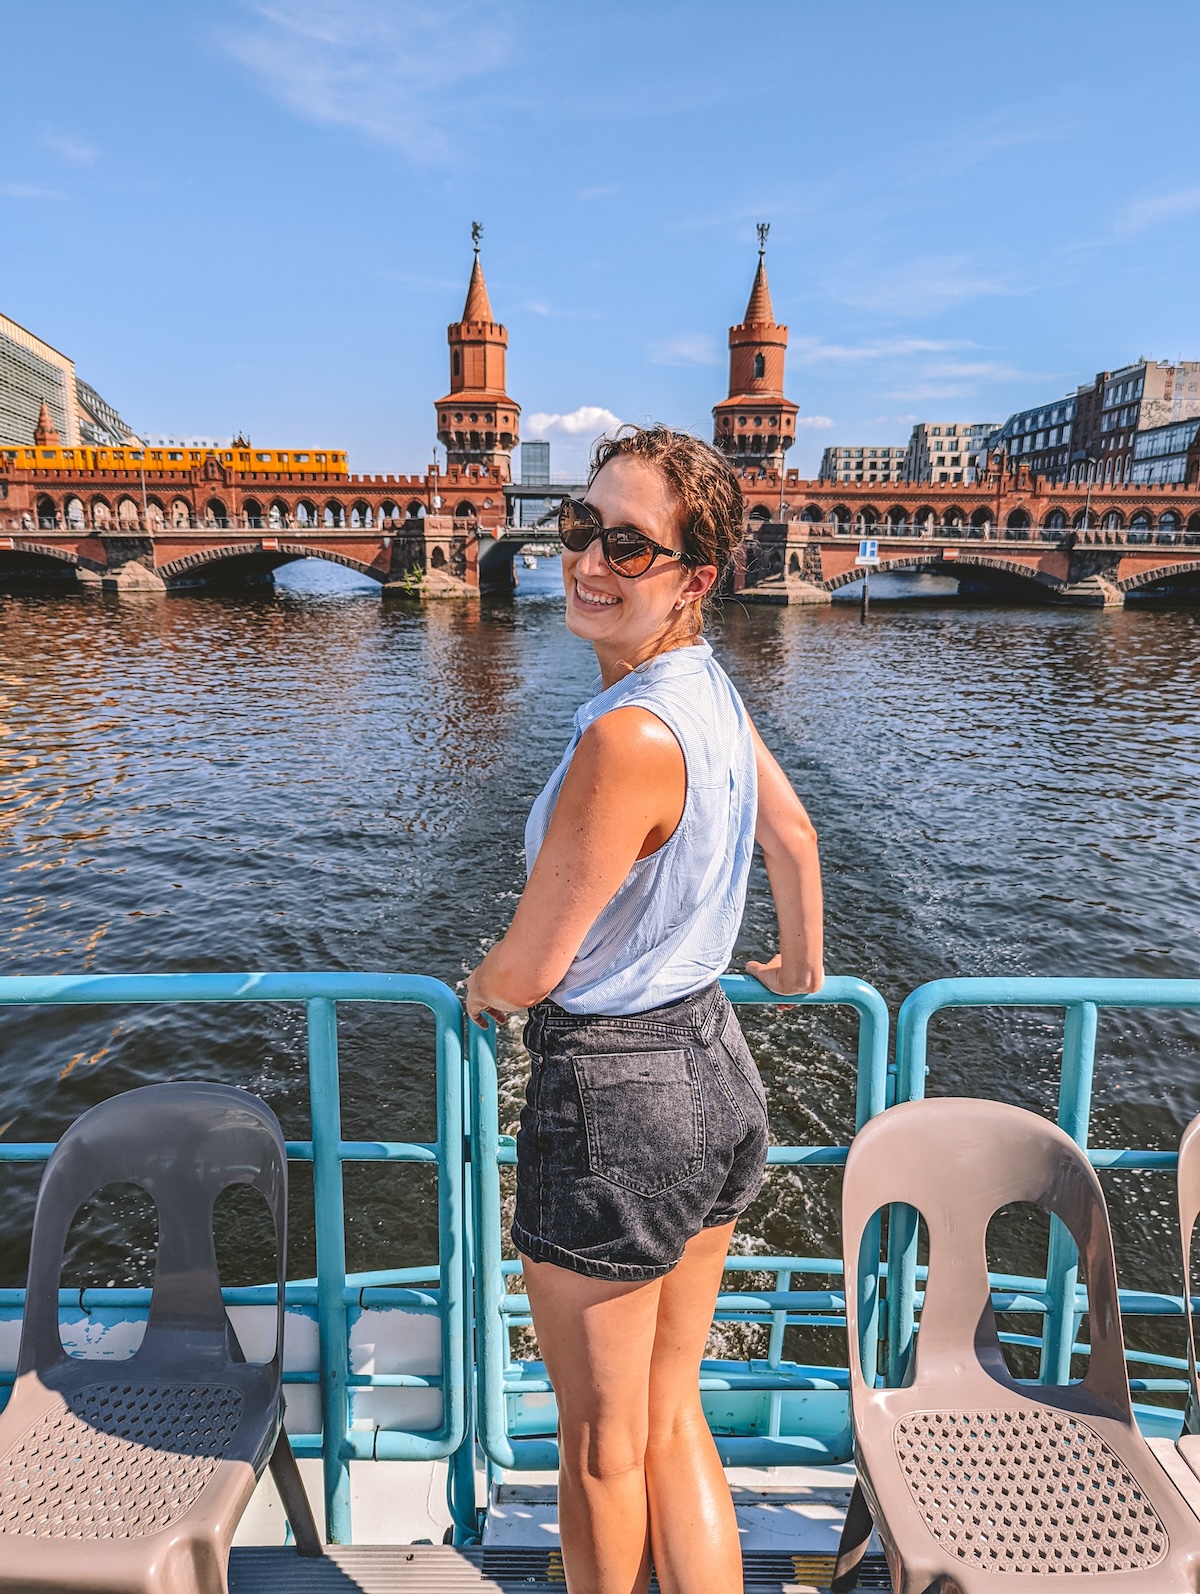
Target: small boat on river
424,1427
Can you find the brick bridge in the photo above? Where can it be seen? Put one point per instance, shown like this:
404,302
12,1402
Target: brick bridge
1006,534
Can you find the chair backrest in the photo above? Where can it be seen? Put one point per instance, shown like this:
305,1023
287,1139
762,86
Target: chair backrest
957,1161
183,1144
1188,1182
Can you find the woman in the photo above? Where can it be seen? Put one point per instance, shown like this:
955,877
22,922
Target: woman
644,1132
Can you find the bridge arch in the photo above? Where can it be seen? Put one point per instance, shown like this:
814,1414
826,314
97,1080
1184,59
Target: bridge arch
981,518
1193,525
57,560
277,514
215,513
181,512
897,517
839,516
955,515
1187,570
155,517
811,513
101,512
306,513
252,511
360,513
259,560
1055,519
981,561
74,514
333,514
47,510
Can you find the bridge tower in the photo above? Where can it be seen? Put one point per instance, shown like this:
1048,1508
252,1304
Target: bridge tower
477,422
756,424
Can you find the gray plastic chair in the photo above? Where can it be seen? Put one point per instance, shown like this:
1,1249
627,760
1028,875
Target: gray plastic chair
132,1475
975,1481
1188,1181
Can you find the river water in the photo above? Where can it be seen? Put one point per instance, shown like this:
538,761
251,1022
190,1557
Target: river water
318,779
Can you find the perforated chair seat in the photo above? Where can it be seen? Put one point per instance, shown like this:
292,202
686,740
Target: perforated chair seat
1027,1491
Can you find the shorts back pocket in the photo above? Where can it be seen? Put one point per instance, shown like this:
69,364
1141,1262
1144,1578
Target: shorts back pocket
644,1117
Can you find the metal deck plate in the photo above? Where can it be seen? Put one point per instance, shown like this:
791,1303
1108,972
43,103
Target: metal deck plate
438,1569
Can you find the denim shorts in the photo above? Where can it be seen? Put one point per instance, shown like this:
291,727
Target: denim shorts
636,1134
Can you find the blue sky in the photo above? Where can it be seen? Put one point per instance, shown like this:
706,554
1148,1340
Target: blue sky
255,213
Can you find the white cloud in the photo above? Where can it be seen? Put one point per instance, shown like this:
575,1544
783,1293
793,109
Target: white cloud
689,348
75,150
384,68
28,191
1145,213
811,351
818,423
588,419
921,287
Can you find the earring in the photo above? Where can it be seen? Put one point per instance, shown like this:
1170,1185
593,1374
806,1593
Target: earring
680,604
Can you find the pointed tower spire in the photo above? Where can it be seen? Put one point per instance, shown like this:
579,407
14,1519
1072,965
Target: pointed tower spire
755,424
45,433
477,421
477,307
758,309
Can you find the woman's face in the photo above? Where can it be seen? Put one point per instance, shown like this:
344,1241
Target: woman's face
630,616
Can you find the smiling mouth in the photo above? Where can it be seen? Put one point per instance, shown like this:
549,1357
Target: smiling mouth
591,598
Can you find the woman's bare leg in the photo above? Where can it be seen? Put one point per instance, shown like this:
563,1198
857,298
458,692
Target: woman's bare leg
692,1524
597,1340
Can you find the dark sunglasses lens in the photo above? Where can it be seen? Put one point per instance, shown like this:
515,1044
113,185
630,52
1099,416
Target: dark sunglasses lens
627,553
576,526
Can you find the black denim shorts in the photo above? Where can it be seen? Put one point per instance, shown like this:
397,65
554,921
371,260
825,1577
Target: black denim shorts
636,1134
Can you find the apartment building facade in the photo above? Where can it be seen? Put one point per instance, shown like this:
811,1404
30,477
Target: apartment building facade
947,451
863,464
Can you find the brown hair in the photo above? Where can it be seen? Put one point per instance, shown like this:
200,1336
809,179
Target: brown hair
701,480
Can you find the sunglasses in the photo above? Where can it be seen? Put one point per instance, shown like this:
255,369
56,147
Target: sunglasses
627,551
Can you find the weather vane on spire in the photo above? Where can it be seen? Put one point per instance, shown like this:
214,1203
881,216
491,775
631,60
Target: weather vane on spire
476,234
764,228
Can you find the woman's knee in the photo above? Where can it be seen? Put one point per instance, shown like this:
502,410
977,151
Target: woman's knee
602,1450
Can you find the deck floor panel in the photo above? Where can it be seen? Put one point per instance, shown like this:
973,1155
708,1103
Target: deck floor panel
439,1569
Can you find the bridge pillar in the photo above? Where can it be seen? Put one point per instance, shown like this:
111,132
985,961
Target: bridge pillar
441,560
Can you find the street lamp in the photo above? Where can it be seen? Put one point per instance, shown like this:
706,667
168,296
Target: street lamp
1087,503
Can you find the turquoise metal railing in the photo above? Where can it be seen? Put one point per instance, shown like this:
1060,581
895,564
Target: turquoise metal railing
1057,1297
753,1405
502,1384
335,1297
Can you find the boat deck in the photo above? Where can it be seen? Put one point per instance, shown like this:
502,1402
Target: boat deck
442,1569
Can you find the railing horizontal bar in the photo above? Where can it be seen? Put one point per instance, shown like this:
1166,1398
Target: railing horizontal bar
20,990
365,1295
768,1301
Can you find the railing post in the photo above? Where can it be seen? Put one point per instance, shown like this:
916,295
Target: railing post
325,1106
870,1099
1062,1259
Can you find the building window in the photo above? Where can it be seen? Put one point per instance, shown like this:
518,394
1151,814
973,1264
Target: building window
760,365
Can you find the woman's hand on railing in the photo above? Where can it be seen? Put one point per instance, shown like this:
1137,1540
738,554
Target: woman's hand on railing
796,982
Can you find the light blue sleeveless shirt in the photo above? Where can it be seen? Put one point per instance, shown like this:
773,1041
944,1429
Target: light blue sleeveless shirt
671,927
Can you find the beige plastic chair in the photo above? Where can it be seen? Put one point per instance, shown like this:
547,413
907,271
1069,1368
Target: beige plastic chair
132,1475
1188,1180
974,1481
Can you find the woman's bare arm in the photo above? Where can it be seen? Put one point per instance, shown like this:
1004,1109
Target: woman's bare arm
622,798
789,843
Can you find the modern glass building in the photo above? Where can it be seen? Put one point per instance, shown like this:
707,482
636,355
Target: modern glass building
1166,454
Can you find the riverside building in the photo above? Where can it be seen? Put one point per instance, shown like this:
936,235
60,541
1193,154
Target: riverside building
35,375
866,464
1119,405
947,451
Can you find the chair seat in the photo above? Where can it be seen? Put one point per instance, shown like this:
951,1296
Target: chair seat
117,1460
1027,1491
